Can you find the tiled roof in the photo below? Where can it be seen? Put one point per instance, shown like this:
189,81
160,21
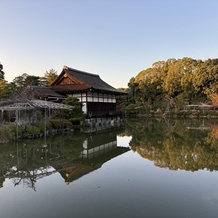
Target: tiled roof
46,92
87,81
65,88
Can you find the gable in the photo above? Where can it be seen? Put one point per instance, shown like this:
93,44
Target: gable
66,79
75,80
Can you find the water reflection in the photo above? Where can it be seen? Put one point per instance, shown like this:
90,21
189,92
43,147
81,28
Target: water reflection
188,145
177,144
72,155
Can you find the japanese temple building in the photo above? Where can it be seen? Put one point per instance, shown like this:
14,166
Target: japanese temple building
98,97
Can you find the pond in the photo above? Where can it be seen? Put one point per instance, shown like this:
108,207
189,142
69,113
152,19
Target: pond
146,168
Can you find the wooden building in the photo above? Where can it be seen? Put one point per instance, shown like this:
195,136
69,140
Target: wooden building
98,97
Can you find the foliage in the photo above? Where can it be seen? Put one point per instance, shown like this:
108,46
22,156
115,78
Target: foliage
75,115
130,109
60,123
49,77
42,124
3,89
214,99
122,99
206,77
9,132
32,130
20,82
170,84
2,73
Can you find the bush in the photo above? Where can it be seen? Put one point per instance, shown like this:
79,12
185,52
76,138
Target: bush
57,123
15,129
76,121
67,124
33,130
41,125
8,132
130,110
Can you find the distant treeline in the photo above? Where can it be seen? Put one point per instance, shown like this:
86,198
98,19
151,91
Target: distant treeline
168,85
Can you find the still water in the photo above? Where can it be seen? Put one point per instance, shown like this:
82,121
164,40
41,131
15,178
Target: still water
147,168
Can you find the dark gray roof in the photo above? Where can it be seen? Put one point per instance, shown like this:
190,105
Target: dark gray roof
46,91
93,80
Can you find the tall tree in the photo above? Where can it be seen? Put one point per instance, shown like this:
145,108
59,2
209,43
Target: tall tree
2,73
76,114
20,82
50,76
206,77
3,89
32,80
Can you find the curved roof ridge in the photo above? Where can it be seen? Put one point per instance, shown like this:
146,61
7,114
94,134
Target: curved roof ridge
80,71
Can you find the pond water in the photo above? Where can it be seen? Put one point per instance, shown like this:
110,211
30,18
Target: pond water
146,168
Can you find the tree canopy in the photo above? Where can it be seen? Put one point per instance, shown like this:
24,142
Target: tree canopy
20,82
166,84
2,73
174,82
50,76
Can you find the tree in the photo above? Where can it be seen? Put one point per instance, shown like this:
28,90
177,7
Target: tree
176,81
32,80
76,114
214,99
3,89
2,73
20,82
206,77
50,76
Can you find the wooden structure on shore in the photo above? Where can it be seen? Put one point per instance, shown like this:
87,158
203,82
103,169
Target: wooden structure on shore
98,97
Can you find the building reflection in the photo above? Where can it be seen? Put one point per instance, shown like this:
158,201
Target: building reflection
72,155
97,149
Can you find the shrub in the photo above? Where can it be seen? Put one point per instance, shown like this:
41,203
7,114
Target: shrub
15,129
67,123
8,132
41,125
32,130
76,121
57,123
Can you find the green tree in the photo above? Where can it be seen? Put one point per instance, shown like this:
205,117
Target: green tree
32,80
76,114
4,91
2,73
134,89
174,82
206,77
19,83
50,76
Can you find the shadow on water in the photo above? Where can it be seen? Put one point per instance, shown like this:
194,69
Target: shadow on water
72,155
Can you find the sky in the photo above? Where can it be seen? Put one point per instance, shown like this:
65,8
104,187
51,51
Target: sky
115,39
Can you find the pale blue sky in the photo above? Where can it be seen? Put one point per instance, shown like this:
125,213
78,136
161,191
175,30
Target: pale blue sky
113,38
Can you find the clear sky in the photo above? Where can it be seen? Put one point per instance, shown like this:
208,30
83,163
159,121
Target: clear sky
115,39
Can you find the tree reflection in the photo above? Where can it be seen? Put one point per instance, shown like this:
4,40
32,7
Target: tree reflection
29,161
72,155
184,144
